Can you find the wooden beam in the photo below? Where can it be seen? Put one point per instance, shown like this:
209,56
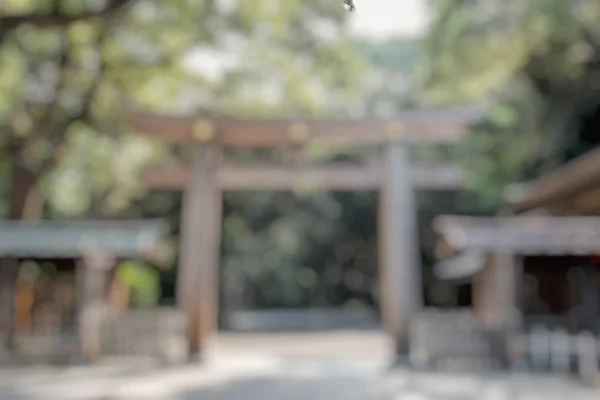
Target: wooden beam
588,202
170,129
197,278
275,178
168,177
438,176
423,126
400,268
332,177
566,182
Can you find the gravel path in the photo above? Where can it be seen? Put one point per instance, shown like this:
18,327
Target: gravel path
446,386
348,366
251,378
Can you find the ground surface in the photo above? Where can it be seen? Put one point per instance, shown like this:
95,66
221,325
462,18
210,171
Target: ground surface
344,365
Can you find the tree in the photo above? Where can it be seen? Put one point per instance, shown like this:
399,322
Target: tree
536,64
68,67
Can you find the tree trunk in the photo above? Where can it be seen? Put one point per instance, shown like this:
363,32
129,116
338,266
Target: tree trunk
25,204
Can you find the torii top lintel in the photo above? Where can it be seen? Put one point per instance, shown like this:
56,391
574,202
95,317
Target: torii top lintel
424,126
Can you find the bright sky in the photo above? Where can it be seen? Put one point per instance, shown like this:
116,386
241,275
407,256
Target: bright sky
381,18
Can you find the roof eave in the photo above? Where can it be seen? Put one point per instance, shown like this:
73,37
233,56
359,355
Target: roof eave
567,181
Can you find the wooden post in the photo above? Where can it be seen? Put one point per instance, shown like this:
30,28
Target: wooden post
504,317
482,285
589,299
200,235
505,277
400,270
9,268
94,284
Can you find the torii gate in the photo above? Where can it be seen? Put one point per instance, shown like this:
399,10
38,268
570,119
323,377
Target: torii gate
393,177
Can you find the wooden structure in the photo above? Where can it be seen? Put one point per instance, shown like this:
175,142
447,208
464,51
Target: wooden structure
542,247
65,308
526,271
538,267
572,189
392,175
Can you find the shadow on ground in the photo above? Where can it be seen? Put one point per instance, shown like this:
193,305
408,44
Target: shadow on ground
277,388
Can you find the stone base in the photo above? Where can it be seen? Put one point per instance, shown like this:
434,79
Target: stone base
157,333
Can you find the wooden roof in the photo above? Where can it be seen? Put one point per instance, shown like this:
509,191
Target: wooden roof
523,235
427,126
568,181
70,239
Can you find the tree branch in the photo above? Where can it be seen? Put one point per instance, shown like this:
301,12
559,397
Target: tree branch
86,107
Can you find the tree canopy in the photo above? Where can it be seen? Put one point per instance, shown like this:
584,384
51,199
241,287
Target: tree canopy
535,63
69,66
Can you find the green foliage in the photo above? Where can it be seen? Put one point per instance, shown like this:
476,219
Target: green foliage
143,283
62,85
389,83
536,64
478,46
282,250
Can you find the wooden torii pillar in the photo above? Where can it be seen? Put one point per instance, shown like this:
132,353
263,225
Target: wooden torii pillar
400,265
395,178
200,239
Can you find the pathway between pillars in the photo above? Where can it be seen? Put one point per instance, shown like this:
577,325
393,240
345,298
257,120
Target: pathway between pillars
341,365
